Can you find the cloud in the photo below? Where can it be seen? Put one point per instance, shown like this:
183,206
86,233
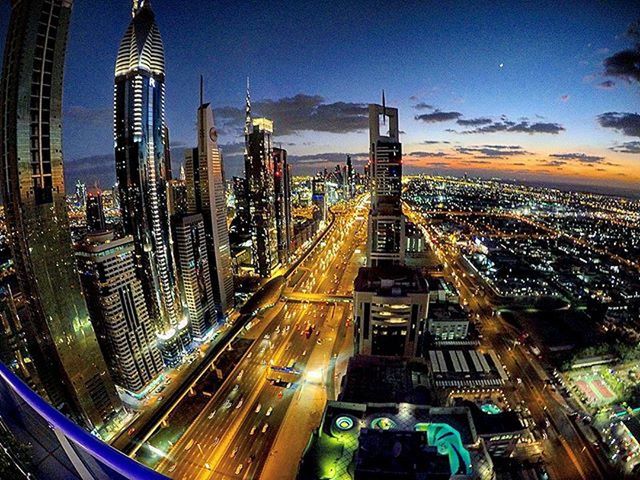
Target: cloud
434,142
423,106
627,147
100,169
625,122
565,98
422,154
474,122
554,163
607,85
438,116
624,64
578,157
300,113
328,157
518,127
89,116
492,151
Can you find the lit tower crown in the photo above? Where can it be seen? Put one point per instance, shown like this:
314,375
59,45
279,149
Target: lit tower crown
141,47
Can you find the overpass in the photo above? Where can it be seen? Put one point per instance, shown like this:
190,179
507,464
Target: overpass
302,297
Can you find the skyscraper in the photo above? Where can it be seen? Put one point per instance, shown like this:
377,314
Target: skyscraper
319,198
390,310
386,222
118,310
206,195
95,212
282,206
195,274
62,345
258,167
139,131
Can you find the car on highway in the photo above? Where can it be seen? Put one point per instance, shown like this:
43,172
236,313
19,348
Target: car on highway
234,452
253,430
240,403
240,375
212,414
265,428
172,467
269,411
216,441
227,404
258,408
236,387
239,469
189,445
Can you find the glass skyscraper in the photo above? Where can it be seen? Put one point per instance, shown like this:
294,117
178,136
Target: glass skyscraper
63,361
139,131
386,222
258,168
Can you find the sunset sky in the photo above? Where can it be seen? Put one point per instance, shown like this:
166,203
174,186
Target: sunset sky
509,89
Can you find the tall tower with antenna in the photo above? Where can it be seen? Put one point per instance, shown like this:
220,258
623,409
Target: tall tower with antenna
386,222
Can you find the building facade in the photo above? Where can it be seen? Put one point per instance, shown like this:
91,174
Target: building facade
64,359
139,133
206,194
258,167
96,221
195,274
386,222
282,197
390,310
118,309
319,198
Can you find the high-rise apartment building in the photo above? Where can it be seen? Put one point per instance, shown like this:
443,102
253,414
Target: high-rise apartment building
96,221
69,368
139,131
258,167
118,310
195,274
206,194
390,310
282,206
386,222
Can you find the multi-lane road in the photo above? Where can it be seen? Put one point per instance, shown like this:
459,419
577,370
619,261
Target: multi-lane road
231,437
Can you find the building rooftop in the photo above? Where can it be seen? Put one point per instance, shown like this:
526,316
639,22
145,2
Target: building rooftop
460,368
372,378
376,441
391,280
398,455
447,312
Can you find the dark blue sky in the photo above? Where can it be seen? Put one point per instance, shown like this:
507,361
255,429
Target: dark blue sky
531,71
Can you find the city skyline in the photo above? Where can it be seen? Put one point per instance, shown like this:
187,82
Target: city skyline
329,314
475,123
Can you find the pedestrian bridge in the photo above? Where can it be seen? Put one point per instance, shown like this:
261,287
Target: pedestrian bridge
302,297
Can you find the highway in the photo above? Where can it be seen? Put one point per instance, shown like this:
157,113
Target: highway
232,436
567,453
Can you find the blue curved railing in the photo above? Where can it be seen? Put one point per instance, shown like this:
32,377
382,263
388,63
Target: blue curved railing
100,451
